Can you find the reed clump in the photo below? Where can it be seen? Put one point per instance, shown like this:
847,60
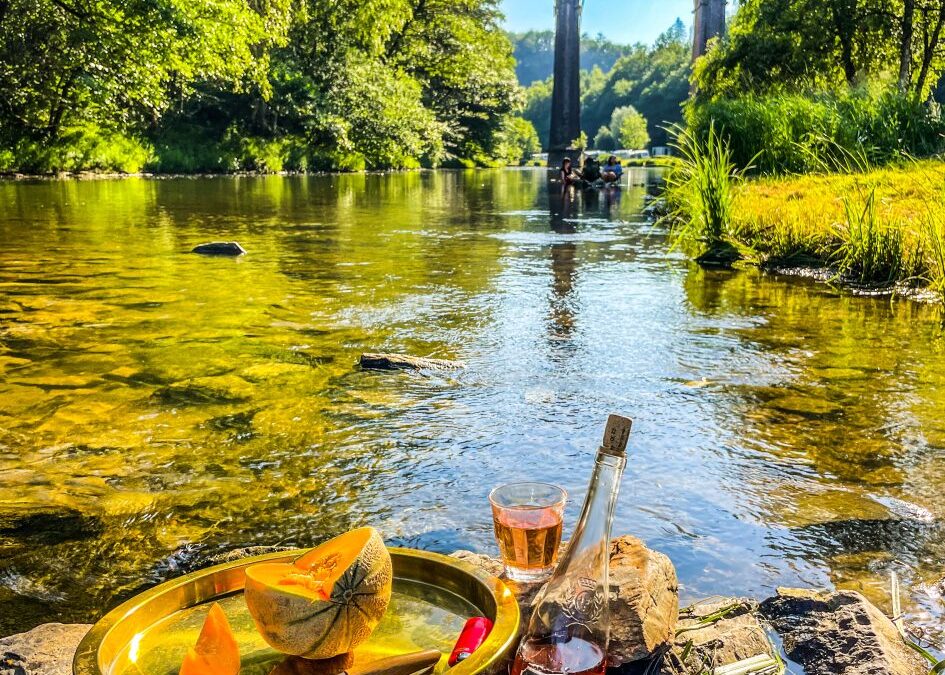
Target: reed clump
701,190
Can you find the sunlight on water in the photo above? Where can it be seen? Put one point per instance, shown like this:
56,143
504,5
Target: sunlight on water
154,402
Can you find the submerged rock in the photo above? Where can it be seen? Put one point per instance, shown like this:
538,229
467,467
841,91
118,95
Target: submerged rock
644,598
200,390
46,650
806,406
717,633
230,248
42,523
405,362
839,633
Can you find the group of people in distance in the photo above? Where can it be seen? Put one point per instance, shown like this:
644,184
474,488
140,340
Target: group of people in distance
592,172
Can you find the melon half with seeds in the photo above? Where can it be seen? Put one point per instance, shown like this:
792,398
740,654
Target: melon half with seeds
326,602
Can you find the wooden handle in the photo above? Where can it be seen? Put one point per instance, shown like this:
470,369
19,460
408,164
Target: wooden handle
405,664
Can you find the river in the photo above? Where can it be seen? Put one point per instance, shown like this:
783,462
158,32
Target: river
154,402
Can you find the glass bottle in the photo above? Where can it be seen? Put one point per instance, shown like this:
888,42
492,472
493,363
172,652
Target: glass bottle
570,627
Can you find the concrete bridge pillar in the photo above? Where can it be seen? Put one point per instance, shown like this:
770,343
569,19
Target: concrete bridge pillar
566,95
709,23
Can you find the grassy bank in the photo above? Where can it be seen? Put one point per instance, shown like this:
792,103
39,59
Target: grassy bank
877,228
880,227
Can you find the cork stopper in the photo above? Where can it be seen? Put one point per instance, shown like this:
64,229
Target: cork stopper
616,435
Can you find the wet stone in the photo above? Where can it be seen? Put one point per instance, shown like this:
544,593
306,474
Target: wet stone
716,633
46,650
221,248
839,633
46,524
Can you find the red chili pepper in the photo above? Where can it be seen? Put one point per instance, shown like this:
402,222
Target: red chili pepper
474,633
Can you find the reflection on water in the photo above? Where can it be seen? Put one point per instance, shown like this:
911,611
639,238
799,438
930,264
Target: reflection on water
154,402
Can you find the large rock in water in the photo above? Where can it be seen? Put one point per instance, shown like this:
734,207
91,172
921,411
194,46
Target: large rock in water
46,650
644,598
839,633
230,248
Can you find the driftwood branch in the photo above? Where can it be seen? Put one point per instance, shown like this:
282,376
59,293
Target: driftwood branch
405,362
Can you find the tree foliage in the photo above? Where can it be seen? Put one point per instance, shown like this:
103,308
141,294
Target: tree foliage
229,84
630,128
820,44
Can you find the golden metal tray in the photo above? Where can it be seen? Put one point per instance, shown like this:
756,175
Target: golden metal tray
433,596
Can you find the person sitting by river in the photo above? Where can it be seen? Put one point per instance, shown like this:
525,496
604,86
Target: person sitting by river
568,175
591,171
611,171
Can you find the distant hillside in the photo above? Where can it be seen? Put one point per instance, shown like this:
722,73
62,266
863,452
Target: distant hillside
534,53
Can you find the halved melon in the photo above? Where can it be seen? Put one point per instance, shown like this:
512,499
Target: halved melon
216,652
326,602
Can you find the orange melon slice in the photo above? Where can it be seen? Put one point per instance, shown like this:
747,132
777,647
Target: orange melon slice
326,602
216,651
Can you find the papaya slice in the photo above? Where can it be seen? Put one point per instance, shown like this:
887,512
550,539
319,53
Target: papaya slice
327,601
216,651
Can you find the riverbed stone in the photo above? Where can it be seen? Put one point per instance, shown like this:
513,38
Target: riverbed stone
204,390
46,523
644,598
810,407
714,633
839,633
46,650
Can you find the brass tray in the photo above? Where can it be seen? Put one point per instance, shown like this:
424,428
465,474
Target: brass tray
433,596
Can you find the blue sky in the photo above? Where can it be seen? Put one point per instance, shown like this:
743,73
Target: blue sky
620,20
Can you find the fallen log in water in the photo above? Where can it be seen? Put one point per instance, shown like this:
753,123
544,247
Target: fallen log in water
372,361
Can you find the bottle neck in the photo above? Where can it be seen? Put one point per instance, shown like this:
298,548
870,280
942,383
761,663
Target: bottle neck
593,527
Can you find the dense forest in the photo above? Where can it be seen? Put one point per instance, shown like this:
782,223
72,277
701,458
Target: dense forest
222,85
796,83
652,79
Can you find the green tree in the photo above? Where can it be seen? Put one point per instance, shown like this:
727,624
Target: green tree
538,108
654,80
629,128
604,139
826,44
518,141
121,62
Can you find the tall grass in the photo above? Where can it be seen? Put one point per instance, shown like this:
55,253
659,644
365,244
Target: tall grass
868,252
934,230
700,188
789,132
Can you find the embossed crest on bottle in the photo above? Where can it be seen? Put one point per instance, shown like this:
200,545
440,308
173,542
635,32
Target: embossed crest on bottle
569,630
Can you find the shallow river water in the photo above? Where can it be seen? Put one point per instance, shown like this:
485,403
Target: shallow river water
154,402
